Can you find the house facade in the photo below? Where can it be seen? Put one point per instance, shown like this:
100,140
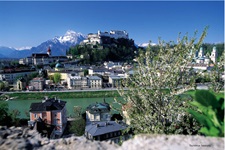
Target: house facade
115,81
51,112
20,84
37,84
100,127
98,112
11,75
95,82
75,81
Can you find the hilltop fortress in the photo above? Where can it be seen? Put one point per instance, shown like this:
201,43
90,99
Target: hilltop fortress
104,37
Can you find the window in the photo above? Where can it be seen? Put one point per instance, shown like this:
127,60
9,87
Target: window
35,116
115,134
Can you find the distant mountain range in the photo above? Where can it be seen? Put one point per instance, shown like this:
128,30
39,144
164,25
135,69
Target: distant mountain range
58,45
144,45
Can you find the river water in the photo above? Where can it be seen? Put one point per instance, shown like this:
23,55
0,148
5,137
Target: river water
23,106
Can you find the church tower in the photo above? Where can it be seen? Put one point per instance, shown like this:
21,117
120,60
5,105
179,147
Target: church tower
49,51
214,54
201,53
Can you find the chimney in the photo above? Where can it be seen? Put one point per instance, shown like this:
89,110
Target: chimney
58,100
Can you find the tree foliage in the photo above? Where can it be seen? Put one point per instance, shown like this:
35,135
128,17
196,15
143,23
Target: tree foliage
217,82
56,77
116,50
77,111
4,86
160,76
78,126
7,117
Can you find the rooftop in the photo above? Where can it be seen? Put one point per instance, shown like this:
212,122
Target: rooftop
98,108
48,105
99,128
94,78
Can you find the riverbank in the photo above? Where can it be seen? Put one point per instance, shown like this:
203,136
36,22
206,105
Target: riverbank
35,95
61,95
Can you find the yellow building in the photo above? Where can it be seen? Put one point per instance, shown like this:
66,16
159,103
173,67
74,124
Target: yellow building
64,74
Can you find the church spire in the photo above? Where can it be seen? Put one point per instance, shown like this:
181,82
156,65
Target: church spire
49,51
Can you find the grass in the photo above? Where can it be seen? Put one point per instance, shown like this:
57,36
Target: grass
82,94
62,95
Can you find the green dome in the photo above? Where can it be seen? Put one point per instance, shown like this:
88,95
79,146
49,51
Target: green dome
58,65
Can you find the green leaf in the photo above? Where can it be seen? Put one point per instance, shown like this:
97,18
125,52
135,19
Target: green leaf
202,119
211,132
206,98
212,116
201,108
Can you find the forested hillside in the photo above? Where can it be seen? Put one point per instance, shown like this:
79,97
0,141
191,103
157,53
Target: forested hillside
116,50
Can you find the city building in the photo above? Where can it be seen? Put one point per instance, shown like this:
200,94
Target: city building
37,84
42,59
203,62
51,112
21,84
95,82
115,81
75,81
106,131
200,58
97,71
11,75
104,37
98,112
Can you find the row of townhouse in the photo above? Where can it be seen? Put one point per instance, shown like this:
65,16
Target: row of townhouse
74,76
11,76
73,80
42,59
77,80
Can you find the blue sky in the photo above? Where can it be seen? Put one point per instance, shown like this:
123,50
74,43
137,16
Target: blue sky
30,23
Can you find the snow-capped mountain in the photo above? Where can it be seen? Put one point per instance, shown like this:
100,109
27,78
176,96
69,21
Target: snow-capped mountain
71,37
58,45
144,45
6,51
23,48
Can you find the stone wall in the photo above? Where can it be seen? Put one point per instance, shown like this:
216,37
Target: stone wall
18,138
